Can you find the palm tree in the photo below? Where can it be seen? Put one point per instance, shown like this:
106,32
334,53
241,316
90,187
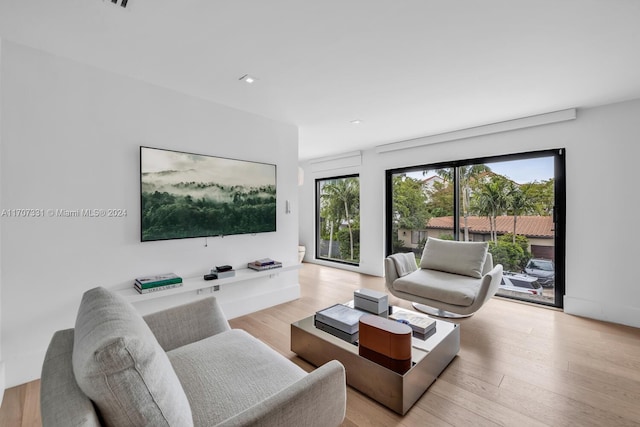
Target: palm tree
330,210
467,174
347,192
518,202
491,200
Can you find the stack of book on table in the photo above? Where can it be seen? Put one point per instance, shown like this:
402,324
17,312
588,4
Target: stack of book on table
264,264
340,321
157,282
423,326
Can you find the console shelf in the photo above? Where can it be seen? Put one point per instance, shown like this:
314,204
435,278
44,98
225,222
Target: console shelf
191,284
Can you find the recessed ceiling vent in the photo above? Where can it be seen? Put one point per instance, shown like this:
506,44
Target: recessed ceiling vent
122,3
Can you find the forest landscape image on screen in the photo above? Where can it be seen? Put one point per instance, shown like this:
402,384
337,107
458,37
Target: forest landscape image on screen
191,195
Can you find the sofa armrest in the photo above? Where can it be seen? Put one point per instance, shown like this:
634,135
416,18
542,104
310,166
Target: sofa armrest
390,272
62,402
317,400
398,265
187,323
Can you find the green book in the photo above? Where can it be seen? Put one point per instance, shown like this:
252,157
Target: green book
153,281
157,288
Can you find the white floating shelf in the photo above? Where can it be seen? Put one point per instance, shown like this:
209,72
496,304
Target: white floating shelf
192,284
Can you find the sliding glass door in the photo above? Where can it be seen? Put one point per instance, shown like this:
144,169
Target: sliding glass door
514,202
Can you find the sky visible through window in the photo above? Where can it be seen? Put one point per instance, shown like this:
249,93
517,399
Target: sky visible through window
520,171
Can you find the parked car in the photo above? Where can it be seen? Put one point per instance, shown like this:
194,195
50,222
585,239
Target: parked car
543,269
518,282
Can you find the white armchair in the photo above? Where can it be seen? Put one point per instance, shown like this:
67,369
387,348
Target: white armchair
454,279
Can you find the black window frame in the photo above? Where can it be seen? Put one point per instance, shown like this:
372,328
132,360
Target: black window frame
317,224
559,211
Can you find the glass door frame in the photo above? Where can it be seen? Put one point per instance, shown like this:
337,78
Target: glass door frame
559,210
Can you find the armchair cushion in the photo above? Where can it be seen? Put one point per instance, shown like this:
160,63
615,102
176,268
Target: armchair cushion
438,286
464,258
230,372
120,366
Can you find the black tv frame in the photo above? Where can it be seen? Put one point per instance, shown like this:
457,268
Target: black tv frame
175,205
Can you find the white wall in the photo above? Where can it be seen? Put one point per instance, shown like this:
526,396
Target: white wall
601,159
70,140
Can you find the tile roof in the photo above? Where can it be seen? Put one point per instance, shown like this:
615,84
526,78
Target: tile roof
530,226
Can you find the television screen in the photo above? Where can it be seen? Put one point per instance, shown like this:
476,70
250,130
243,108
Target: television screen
192,195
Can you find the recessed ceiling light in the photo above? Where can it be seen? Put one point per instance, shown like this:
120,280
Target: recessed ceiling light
248,79
356,122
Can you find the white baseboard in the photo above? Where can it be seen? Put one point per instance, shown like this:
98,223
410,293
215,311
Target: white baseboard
240,307
608,312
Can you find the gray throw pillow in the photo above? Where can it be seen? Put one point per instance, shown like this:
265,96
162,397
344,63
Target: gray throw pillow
119,364
465,258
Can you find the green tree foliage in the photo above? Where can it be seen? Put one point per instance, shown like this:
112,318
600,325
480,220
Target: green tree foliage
512,256
541,197
468,176
520,240
490,199
507,254
340,204
518,203
410,209
344,240
397,245
440,199
172,216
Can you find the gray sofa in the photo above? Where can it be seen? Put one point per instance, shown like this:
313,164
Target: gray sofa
179,367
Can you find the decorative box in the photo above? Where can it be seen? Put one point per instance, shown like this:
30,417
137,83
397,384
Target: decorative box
386,342
372,301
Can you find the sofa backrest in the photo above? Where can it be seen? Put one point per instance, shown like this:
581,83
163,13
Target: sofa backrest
119,365
464,258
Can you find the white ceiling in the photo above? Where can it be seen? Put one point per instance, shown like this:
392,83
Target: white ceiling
406,68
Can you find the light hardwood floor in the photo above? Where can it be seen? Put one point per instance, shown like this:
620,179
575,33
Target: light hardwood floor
519,365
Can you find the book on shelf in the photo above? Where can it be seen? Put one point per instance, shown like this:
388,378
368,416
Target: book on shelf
156,288
259,267
157,280
264,261
420,323
351,338
341,317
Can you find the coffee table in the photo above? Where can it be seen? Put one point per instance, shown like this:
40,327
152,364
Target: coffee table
398,392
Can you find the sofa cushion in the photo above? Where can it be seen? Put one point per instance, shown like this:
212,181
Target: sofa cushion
119,364
439,286
465,258
229,372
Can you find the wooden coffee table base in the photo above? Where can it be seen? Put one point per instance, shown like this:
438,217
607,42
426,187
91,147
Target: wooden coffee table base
396,391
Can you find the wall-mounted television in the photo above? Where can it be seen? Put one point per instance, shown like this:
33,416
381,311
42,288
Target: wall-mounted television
185,195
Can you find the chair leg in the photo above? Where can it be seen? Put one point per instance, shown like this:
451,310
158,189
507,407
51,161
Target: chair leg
438,312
